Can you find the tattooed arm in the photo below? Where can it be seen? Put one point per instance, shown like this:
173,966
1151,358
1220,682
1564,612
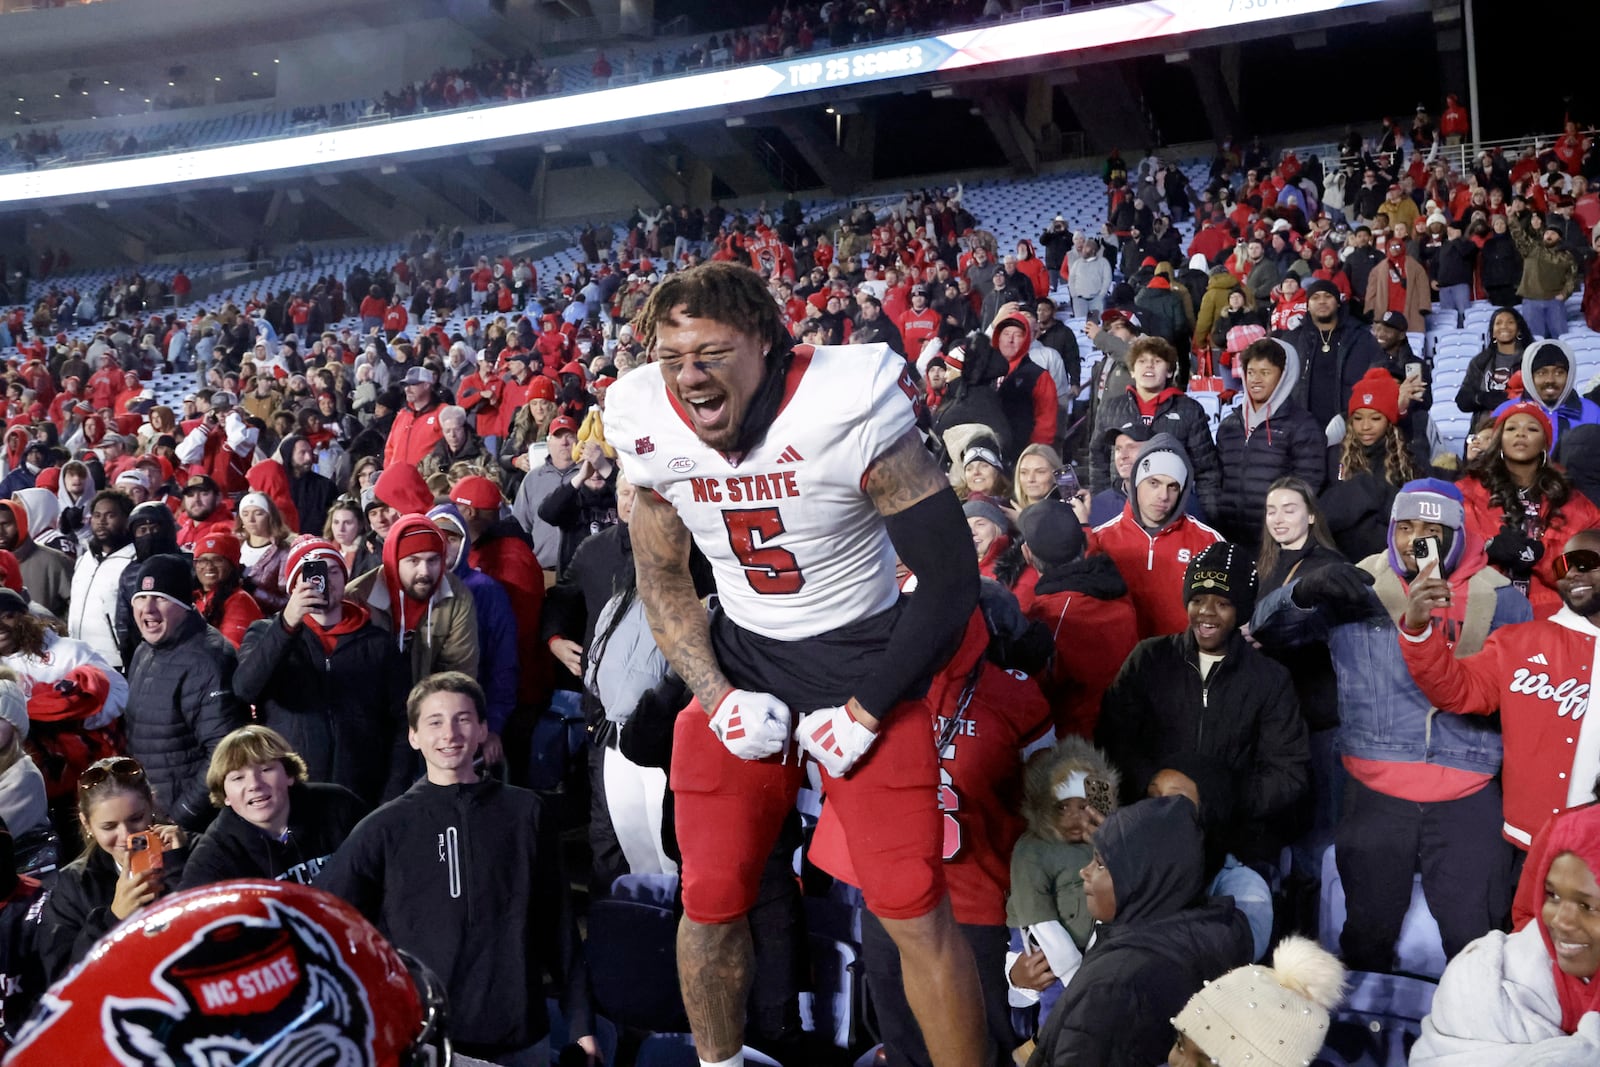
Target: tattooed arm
677,618
931,538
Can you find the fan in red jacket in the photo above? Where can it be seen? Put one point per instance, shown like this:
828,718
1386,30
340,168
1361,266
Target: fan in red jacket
1076,595
416,428
919,324
1154,539
1524,541
1538,675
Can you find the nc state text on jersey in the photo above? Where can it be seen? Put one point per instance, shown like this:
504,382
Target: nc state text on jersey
744,488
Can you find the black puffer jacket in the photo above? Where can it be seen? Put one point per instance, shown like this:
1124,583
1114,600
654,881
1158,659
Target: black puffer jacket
321,816
1176,414
1163,944
343,712
1282,440
180,704
1245,715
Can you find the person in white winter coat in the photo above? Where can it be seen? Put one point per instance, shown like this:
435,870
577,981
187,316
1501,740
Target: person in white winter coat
1529,999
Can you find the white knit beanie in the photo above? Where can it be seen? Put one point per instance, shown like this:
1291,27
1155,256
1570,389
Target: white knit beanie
1276,1016
14,705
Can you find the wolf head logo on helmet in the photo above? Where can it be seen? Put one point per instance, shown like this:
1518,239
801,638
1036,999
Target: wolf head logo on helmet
238,984
273,974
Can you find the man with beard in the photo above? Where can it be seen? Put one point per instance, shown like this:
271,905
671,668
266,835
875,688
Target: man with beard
202,506
92,611
1537,675
762,673
1335,351
311,492
426,609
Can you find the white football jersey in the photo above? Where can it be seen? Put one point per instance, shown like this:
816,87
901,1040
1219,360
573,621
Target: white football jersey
796,544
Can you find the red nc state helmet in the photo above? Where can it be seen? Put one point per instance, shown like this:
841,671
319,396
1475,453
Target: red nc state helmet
273,974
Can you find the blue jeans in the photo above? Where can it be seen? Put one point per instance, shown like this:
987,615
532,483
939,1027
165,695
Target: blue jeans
1456,298
1545,318
1251,896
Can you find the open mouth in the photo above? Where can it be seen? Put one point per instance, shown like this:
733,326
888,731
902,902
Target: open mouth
1569,949
707,411
1205,630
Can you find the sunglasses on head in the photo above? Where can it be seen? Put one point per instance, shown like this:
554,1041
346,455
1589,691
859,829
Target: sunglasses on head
1582,560
121,768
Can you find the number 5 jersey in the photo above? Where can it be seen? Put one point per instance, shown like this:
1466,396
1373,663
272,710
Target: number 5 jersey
795,542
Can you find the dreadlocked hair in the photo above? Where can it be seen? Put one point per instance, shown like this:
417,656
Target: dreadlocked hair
724,292
1398,467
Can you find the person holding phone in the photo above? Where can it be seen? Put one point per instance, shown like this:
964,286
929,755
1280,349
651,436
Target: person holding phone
330,680
128,862
1420,790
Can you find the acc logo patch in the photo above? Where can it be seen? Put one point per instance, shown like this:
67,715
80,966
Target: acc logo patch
681,465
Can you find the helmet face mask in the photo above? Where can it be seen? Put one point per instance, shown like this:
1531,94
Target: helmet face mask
270,973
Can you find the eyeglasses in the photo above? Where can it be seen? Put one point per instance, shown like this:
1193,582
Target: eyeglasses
1582,560
124,770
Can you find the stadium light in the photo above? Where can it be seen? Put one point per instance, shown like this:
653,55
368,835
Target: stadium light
1074,32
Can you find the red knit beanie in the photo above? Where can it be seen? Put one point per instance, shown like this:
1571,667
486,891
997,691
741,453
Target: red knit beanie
1378,391
1526,407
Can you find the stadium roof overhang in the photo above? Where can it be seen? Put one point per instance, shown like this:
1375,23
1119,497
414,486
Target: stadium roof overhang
1011,48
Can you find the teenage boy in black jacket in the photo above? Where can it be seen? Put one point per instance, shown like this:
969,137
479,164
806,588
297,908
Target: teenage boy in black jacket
465,874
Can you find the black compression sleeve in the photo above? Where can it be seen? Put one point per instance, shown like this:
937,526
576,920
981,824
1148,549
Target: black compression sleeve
931,539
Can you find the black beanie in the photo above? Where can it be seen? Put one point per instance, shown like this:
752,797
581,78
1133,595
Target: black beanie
168,576
1052,532
1549,354
1228,571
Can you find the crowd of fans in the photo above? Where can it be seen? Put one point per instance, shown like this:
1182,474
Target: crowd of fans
371,561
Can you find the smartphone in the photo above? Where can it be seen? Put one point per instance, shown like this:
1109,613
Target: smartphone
315,574
1424,549
1067,482
1094,317
1413,370
1097,792
144,852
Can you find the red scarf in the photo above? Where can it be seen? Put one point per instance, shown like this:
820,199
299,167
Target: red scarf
353,619
1577,832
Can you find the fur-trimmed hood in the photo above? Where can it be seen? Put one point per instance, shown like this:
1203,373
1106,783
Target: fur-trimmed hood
1046,769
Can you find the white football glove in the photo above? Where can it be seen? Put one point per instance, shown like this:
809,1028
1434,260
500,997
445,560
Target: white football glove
751,725
834,738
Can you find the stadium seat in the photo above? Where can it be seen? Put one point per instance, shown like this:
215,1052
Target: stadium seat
1379,1021
633,965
